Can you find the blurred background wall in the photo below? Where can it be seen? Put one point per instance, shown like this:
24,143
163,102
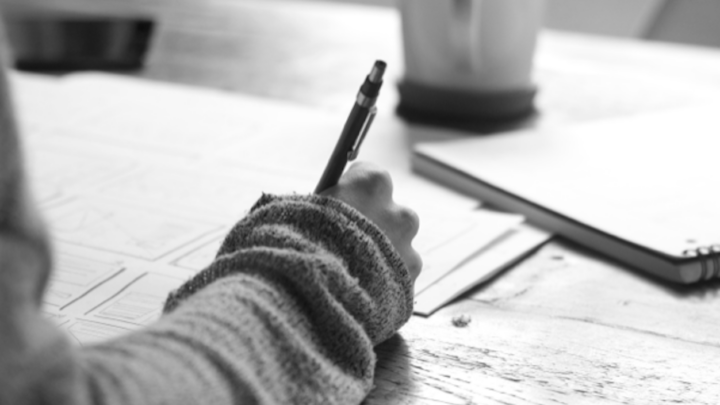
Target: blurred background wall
684,21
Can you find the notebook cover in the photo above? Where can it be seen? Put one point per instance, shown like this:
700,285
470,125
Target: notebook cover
643,183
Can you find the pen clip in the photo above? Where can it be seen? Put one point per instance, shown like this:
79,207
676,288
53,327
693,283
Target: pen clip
353,153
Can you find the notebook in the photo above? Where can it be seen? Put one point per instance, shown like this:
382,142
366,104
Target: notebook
643,189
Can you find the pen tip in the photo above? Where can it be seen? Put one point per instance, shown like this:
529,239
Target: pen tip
377,71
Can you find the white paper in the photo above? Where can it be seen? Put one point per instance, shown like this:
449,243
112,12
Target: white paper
480,267
448,240
76,276
139,183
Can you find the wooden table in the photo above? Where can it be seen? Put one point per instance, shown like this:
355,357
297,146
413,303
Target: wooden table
564,326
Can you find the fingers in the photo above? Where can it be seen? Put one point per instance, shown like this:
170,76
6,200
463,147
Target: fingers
406,221
363,183
404,225
412,260
369,189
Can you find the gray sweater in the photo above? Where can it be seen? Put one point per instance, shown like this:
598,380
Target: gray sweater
301,290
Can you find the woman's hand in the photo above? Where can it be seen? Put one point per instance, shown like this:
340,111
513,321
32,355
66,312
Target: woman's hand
369,189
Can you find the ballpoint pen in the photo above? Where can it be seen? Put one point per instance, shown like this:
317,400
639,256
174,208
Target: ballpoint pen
356,127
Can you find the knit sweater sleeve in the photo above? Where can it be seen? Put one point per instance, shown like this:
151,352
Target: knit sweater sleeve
289,311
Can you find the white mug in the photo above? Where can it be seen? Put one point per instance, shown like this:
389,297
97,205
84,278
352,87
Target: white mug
484,47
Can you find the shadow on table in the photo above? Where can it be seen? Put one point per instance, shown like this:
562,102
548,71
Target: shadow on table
393,379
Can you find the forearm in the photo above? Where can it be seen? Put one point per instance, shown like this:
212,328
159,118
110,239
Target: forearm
238,341
331,283
289,312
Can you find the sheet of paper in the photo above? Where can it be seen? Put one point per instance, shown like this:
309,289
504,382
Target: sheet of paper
481,267
76,276
139,302
140,181
448,239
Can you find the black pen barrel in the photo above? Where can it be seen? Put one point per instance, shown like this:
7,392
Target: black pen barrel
339,157
356,126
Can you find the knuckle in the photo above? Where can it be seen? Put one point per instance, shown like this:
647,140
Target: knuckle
408,220
417,265
380,177
414,264
376,181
